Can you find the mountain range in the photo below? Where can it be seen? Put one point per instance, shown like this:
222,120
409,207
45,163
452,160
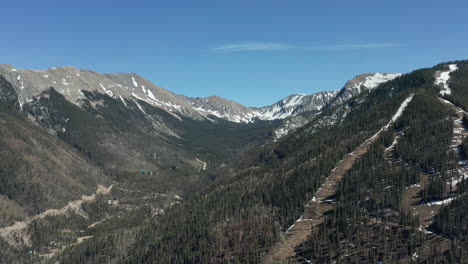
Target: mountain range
71,82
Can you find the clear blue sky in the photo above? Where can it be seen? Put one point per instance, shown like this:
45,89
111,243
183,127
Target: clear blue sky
253,52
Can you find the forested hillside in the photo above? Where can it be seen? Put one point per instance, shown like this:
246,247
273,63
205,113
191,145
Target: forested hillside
380,178
254,200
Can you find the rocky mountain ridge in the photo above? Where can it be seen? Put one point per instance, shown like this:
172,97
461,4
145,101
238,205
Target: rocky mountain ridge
71,82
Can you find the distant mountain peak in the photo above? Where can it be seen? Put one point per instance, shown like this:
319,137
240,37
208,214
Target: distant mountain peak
370,80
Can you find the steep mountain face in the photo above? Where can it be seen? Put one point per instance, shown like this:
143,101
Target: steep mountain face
8,96
37,170
109,133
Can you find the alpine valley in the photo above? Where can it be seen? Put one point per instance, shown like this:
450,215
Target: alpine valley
111,168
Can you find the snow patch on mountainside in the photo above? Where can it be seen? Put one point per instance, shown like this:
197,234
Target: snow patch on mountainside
373,81
368,81
442,79
109,92
395,117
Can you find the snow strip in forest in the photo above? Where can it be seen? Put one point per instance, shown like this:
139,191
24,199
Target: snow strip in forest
442,79
441,202
400,110
445,201
395,141
395,117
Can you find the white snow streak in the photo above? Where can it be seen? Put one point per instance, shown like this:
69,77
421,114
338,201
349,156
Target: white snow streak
109,92
395,141
400,110
134,82
150,94
123,101
442,202
395,116
141,109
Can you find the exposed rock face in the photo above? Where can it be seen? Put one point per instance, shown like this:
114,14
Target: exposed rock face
8,96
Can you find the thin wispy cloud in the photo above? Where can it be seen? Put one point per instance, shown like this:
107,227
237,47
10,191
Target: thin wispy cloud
253,46
268,46
357,46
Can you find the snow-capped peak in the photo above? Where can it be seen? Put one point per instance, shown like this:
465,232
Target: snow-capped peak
378,78
370,80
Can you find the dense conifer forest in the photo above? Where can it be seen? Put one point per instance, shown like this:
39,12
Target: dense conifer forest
239,217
